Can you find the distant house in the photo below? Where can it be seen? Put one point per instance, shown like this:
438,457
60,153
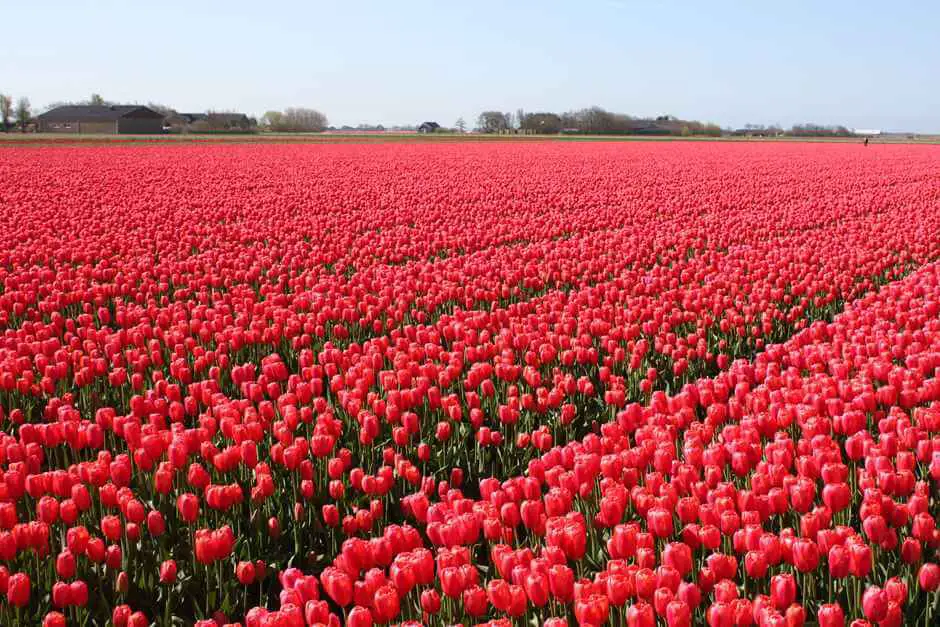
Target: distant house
201,122
754,132
428,127
189,118
103,119
652,127
176,122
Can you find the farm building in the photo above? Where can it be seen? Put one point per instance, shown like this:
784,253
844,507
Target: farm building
213,121
429,127
104,119
208,122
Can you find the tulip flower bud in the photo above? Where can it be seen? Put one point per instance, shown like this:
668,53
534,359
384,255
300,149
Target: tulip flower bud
120,615
54,619
18,589
875,604
831,615
122,583
782,590
928,577
168,572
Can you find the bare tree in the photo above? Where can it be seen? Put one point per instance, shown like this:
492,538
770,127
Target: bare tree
272,120
306,120
23,113
541,123
461,125
493,122
295,119
6,110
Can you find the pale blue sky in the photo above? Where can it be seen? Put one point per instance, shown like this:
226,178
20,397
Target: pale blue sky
865,64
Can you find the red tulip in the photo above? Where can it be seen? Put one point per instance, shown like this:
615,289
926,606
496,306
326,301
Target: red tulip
719,615
54,619
65,564
111,528
122,583
659,523
386,603
839,562
245,573
61,594
755,564
431,602
18,589
452,581
805,555
168,572
78,591
120,615
156,526
137,619
337,585
782,590
836,496
831,615
592,609
928,577
640,615
499,594
188,506
875,603
537,588
679,556
678,614
690,594
474,601
896,590
795,616
359,617
860,560
561,583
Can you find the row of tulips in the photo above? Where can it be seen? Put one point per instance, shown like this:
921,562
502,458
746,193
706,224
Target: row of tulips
785,515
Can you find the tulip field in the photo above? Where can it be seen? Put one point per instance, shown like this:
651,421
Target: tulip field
644,384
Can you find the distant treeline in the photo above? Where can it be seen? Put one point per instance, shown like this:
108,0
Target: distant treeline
590,121
818,130
599,121
797,130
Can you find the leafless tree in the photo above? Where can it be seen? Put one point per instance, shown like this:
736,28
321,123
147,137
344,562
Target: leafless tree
541,123
461,125
6,110
818,130
307,120
295,119
493,122
23,113
272,120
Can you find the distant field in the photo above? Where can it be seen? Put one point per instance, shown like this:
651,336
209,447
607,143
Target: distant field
330,138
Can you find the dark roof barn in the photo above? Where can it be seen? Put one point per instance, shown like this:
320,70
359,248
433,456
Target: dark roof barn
101,119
